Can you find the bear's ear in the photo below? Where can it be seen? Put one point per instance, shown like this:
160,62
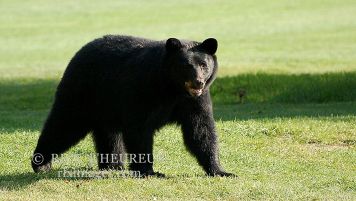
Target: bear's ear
210,46
173,44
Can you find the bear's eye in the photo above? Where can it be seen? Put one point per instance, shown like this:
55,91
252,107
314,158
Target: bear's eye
203,64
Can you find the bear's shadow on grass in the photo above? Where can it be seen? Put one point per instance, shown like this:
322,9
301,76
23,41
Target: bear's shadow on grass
22,180
19,181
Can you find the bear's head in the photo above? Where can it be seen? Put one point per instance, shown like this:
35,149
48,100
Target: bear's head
192,65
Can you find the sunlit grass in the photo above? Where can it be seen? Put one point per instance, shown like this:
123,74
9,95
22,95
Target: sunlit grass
38,38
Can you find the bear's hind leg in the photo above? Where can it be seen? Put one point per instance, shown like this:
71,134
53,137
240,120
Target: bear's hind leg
60,132
139,147
110,149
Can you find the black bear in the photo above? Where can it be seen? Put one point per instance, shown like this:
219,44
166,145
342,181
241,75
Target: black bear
122,89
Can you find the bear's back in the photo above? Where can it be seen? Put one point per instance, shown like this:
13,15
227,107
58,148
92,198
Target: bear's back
118,44
113,53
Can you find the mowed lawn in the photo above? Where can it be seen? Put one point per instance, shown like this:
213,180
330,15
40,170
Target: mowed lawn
291,136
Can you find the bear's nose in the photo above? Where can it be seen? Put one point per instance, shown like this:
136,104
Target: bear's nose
198,84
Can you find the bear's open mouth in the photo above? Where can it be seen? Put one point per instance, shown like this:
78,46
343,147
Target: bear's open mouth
193,91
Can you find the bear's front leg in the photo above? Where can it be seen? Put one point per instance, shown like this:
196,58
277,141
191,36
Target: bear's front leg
198,126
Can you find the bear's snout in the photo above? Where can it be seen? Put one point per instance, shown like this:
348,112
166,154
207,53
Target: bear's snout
198,84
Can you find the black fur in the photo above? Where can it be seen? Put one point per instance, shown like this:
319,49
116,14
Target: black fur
123,89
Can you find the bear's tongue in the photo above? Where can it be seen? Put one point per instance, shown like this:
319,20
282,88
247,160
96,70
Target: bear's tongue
195,92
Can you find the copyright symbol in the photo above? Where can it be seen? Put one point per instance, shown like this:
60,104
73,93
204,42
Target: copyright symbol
37,158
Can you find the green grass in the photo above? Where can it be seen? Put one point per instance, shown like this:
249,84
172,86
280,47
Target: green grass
304,152
284,88
293,137
39,37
